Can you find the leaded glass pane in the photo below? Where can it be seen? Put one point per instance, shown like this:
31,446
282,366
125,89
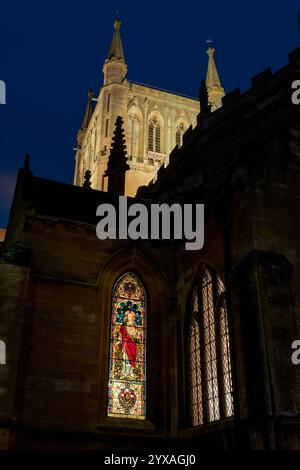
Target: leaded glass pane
225,361
157,138
195,302
195,374
178,138
210,355
151,137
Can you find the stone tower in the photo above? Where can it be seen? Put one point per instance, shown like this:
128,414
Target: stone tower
155,121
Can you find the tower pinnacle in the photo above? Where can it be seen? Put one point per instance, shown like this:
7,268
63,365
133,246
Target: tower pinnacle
116,48
213,83
86,118
117,161
115,67
88,111
212,76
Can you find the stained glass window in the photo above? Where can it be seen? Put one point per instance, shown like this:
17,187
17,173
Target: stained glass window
211,390
127,362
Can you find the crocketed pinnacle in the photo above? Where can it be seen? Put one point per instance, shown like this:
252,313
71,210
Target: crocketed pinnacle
88,111
116,48
212,76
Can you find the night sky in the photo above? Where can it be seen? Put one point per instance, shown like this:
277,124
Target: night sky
51,53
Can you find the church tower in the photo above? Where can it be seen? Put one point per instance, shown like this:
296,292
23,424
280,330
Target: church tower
154,122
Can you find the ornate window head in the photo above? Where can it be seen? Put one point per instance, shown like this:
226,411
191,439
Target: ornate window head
127,363
210,378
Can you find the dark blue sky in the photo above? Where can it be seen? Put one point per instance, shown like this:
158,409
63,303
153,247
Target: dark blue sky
51,53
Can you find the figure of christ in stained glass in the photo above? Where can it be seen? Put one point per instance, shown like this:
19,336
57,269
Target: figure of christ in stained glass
126,396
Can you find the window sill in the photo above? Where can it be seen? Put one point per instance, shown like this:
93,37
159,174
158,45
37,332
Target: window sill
127,425
214,427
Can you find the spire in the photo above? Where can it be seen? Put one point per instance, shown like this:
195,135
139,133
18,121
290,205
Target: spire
115,68
212,76
88,112
86,119
117,161
213,83
116,48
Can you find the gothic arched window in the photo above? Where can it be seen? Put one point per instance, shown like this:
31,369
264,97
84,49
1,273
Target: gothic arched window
210,379
154,143
127,361
180,129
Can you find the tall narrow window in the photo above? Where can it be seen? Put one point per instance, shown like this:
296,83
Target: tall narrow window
151,137
180,129
210,376
225,365
108,102
106,128
154,143
157,138
95,144
127,363
134,127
